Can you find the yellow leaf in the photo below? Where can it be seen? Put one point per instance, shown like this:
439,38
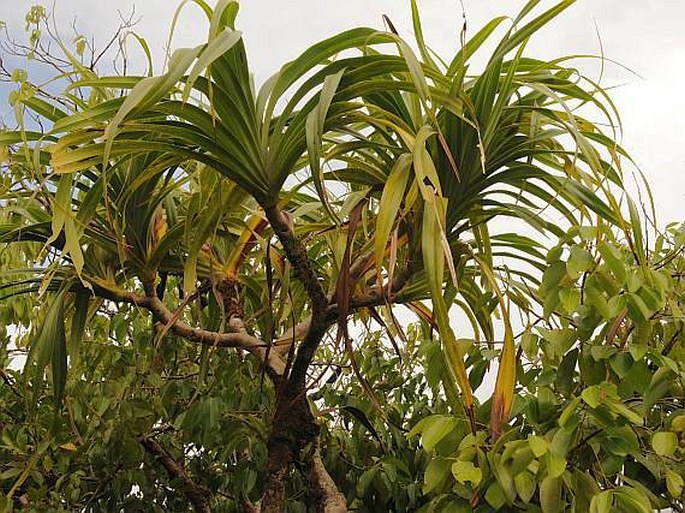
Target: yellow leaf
434,262
68,447
391,199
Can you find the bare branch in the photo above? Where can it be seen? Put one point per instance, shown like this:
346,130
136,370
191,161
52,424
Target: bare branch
238,338
198,494
329,498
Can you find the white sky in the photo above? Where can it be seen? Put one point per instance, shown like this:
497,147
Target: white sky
645,36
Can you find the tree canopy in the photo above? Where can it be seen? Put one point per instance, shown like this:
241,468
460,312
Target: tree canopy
292,297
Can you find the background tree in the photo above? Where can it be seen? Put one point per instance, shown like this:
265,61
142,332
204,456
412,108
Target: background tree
219,271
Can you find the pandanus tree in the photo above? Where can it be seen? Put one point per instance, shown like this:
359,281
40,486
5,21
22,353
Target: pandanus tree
365,175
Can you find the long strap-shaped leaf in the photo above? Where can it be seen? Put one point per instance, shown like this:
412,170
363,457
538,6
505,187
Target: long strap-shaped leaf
503,395
434,264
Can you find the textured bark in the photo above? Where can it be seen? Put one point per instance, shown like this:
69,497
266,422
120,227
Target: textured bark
292,429
328,497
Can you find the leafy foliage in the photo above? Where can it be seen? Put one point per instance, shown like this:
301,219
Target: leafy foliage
599,392
211,284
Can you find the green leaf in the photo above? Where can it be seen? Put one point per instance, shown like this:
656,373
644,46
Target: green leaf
624,411
555,465
437,472
602,502
391,199
214,49
525,485
504,479
147,91
418,33
592,396
597,301
435,429
631,500
44,108
614,260
49,347
465,471
678,424
457,66
620,441
664,443
314,129
580,260
61,206
550,495
495,495
538,445
434,262
529,29
674,483
78,320
621,363
636,225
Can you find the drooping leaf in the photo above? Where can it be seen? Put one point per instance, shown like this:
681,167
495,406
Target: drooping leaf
391,199
49,348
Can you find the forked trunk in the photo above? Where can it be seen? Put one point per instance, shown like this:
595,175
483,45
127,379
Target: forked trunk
293,429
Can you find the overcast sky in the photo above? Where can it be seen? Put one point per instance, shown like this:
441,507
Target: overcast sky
645,36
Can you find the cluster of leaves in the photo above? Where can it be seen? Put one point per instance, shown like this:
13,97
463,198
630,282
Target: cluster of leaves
169,241
95,460
599,417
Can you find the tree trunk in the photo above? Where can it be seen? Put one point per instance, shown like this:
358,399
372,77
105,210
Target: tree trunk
292,429
328,497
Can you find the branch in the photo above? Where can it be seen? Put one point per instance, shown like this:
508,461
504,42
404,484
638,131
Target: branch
376,296
297,256
238,338
328,497
198,494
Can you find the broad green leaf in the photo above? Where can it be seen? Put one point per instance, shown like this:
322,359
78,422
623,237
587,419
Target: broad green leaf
550,495
592,396
631,500
613,259
437,473
674,483
555,465
538,445
435,429
602,502
580,260
525,486
664,443
495,495
465,471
